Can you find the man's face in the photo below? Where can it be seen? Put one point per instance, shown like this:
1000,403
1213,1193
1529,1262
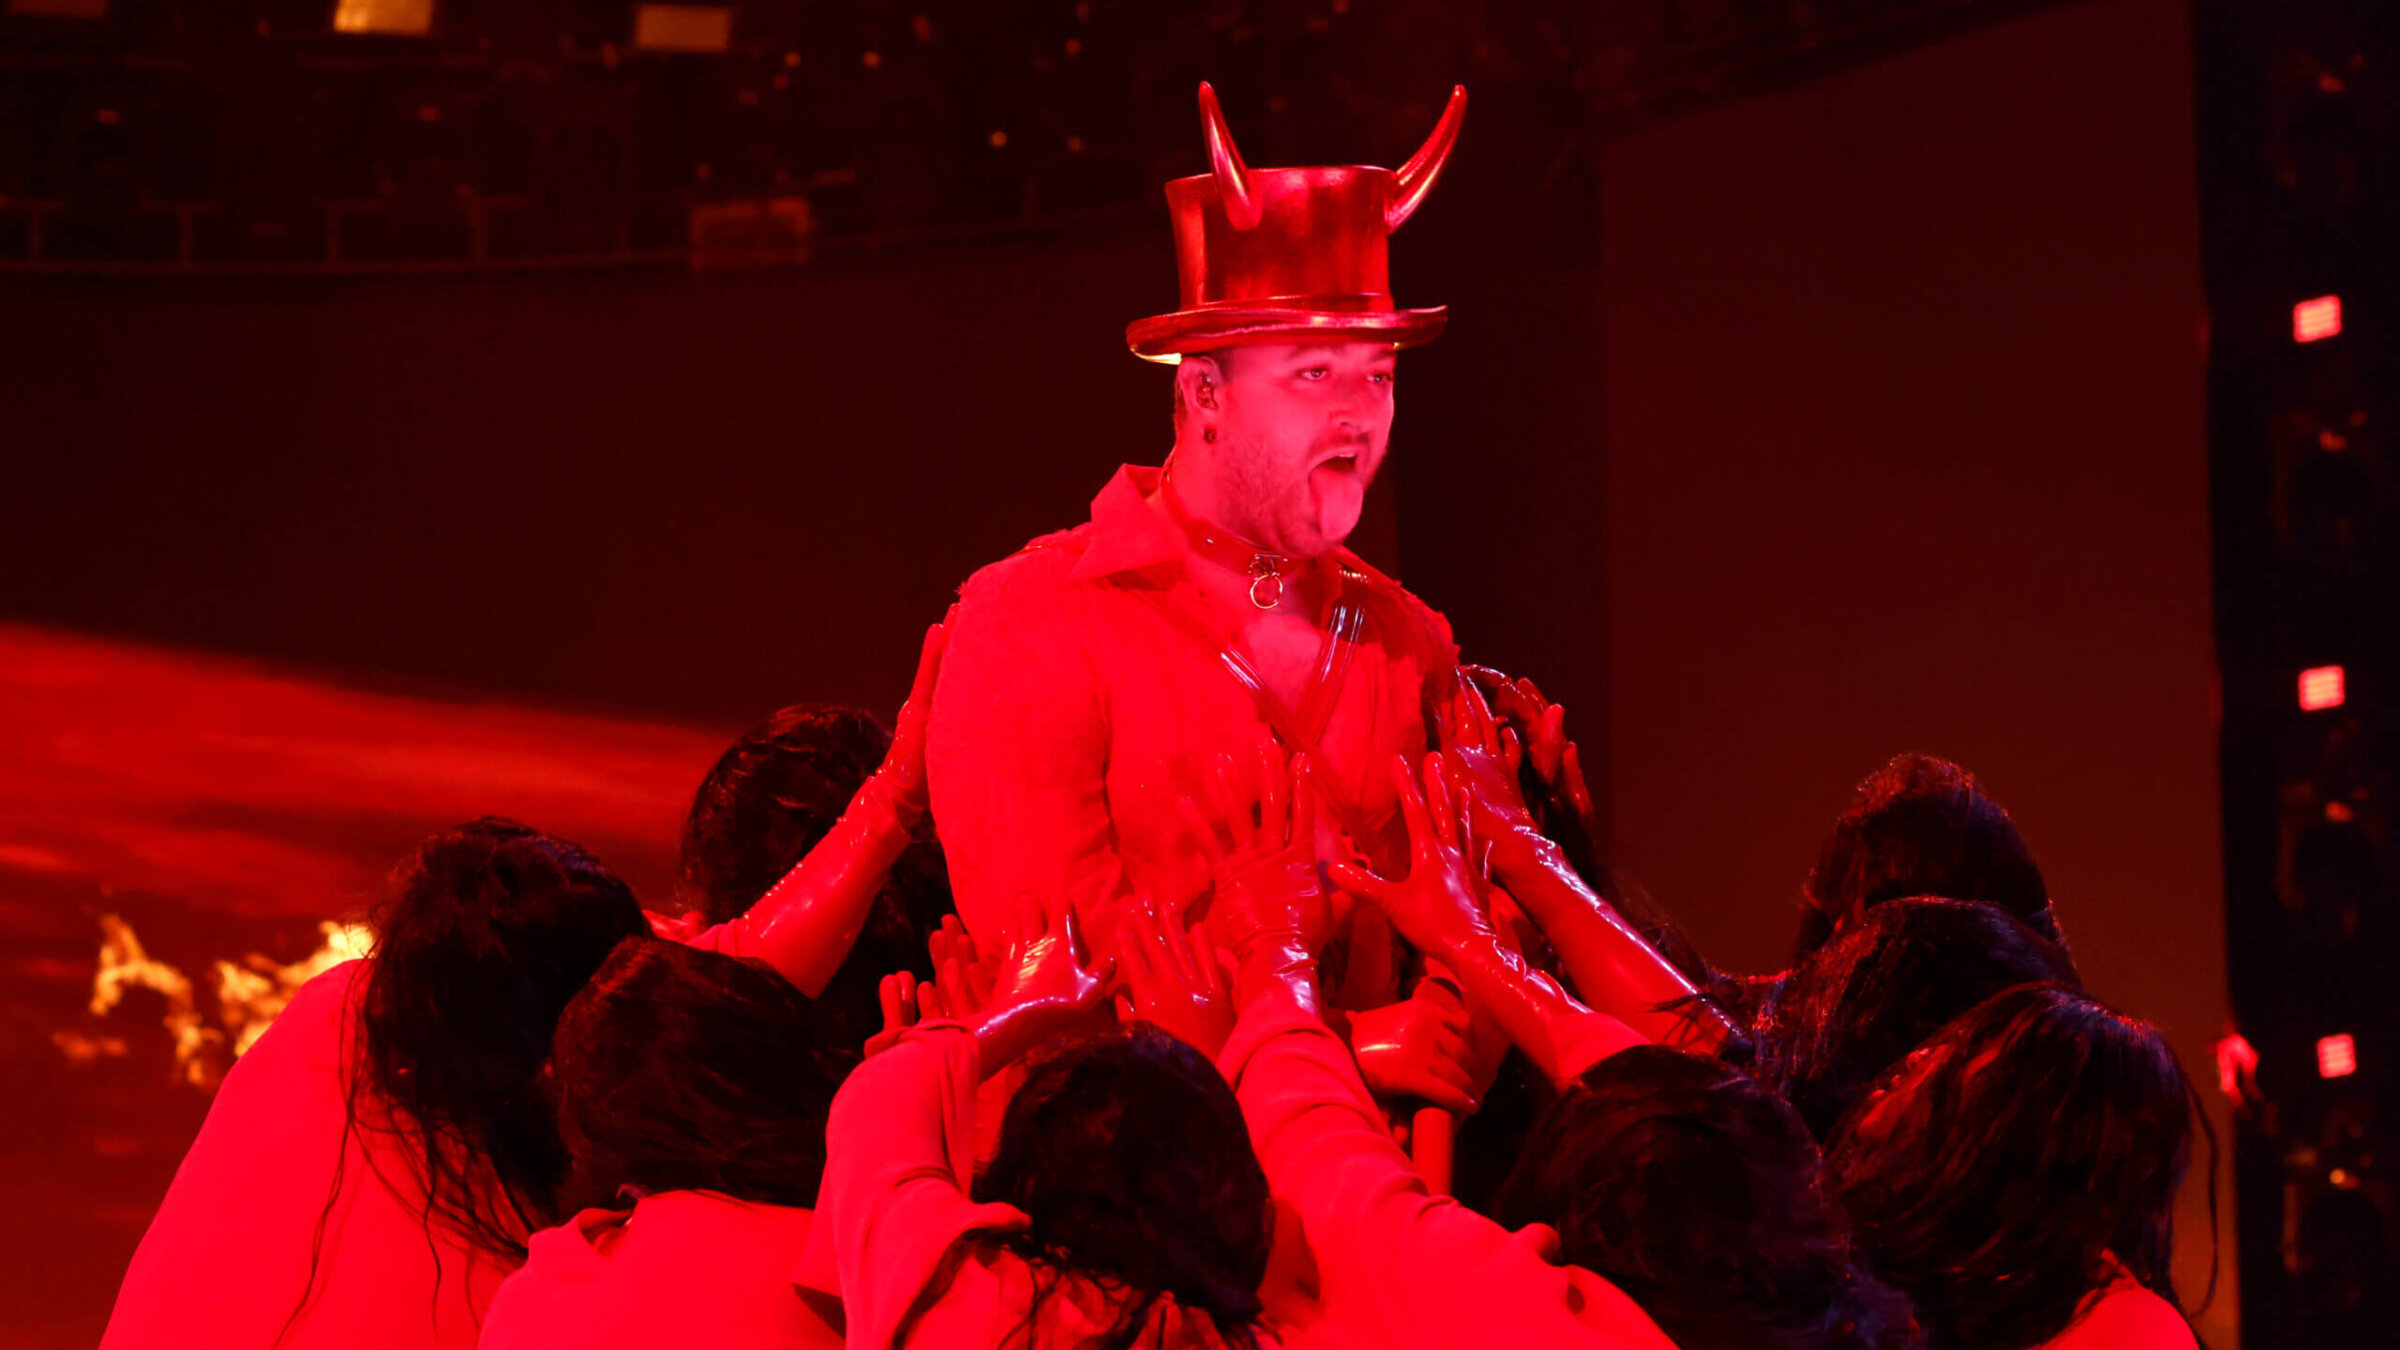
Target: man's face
1301,431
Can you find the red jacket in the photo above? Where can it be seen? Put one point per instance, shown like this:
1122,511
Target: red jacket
1083,691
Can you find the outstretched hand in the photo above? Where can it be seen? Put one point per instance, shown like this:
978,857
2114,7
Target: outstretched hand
1259,837
1439,905
962,975
1042,986
1540,727
903,769
1173,977
1418,1047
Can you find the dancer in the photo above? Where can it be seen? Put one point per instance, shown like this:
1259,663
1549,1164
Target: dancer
372,1168
1124,1207
692,1091
1862,1002
2017,1176
773,796
1210,603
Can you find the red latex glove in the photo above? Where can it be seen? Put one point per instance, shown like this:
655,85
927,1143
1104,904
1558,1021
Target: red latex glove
1172,977
1418,1047
1041,987
962,974
1260,842
902,772
1540,728
1439,904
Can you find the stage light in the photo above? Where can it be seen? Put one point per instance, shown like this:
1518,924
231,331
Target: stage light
2318,319
2321,688
2337,1056
682,28
391,18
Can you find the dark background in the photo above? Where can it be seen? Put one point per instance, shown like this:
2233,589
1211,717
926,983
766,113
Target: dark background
1848,418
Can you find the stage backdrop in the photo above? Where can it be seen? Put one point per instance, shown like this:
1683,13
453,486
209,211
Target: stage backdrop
1905,452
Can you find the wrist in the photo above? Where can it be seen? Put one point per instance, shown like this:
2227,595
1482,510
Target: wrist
891,799
1266,965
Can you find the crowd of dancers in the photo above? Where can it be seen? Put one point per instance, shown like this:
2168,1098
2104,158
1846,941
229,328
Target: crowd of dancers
817,1110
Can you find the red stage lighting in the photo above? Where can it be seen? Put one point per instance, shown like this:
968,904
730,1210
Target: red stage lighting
2321,688
2315,320
2337,1056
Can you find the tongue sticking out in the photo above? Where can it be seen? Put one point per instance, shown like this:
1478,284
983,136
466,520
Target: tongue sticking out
1335,489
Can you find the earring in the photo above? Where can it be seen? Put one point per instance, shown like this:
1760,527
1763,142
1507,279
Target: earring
1209,434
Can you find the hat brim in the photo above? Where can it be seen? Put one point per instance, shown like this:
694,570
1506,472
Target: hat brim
1168,337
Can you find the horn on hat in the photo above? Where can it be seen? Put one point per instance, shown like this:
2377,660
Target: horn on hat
1415,178
1242,206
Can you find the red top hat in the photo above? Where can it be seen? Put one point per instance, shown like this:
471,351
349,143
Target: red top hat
1291,255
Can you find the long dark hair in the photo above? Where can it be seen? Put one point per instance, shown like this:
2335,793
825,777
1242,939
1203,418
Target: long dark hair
1922,826
679,1069
1128,1153
765,803
493,929
1860,1003
2040,1136
1700,1194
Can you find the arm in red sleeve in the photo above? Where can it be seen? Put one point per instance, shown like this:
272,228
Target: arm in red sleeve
1613,966
1400,1267
1018,746
899,1157
806,925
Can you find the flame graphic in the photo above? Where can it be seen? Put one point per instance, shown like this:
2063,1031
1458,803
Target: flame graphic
249,995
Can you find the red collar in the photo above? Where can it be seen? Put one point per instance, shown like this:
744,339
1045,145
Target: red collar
1128,534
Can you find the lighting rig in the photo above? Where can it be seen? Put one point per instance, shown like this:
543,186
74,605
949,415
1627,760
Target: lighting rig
2297,102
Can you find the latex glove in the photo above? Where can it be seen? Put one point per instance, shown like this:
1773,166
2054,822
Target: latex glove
1041,986
962,976
1174,978
902,772
1418,1047
1439,905
898,992
1540,726
1489,753
1259,837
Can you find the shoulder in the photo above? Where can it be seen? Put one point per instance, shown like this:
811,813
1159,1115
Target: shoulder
2126,1316
1045,560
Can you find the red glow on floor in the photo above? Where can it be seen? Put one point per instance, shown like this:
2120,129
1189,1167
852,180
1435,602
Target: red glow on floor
2321,688
2318,319
220,808
2337,1056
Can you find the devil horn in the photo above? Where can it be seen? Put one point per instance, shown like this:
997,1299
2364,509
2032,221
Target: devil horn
1415,178
1233,177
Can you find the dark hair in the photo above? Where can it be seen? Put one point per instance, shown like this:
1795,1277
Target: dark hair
678,1069
2042,1135
1860,1003
769,798
494,927
765,803
1699,1193
1128,1153
1922,826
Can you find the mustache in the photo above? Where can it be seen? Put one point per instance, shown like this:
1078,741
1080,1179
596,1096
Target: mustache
1355,443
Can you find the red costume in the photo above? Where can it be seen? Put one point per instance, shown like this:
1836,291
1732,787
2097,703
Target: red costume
285,1227
1088,682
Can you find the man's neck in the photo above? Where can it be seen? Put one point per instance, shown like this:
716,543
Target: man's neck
1251,579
